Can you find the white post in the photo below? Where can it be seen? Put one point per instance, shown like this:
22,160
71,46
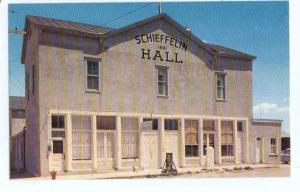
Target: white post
200,140
218,142
262,150
69,143
94,142
182,142
118,151
235,136
140,121
247,142
161,139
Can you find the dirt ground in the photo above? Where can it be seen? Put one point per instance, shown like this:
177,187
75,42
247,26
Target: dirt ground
283,171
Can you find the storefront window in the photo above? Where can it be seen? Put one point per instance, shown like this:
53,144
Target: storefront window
227,136
191,138
129,138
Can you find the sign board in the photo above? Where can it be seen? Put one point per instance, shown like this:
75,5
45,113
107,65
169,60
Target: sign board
147,125
165,49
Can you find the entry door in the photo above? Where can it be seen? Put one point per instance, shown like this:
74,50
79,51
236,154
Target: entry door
150,149
258,151
58,155
172,146
105,149
208,140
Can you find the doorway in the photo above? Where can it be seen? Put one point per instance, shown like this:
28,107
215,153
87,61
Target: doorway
258,156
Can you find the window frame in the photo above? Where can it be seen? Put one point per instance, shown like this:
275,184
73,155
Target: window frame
154,121
165,123
194,148
63,147
223,87
98,60
58,129
134,133
274,145
227,144
90,145
166,68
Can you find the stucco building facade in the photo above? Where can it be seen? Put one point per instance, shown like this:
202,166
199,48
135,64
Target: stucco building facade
104,99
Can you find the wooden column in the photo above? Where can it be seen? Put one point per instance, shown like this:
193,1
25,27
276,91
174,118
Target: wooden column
218,142
118,151
235,137
161,141
140,121
200,140
94,142
69,143
247,160
262,150
182,142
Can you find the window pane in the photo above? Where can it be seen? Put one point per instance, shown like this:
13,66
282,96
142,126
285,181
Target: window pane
93,82
162,81
58,121
162,89
273,141
227,150
171,124
240,126
93,67
81,137
129,127
191,132
154,123
106,123
208,125
58,147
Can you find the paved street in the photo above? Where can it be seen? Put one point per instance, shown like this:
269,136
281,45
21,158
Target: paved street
283,171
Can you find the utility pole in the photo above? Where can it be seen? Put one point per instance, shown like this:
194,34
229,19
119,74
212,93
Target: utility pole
16,31
159,8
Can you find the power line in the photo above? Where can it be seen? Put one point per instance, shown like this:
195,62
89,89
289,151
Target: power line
128,13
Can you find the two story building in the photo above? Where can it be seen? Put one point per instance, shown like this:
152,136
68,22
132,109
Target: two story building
104,99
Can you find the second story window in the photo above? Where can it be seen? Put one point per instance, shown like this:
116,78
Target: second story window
162,81
92,74
220,86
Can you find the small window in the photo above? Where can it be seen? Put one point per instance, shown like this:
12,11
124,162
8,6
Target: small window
220,86
106,123
162,81
154,123
273,145
58,121
208,125
171,124
58,147
240,126
92,74
58,126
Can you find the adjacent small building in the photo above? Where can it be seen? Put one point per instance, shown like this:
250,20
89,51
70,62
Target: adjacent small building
17,133
102,99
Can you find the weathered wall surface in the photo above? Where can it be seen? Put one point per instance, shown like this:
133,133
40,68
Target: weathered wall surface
128,82
266,131
32,141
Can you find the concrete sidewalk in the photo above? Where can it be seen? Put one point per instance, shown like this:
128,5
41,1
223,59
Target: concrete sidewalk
125,174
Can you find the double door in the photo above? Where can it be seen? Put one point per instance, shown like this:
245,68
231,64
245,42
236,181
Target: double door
105,149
